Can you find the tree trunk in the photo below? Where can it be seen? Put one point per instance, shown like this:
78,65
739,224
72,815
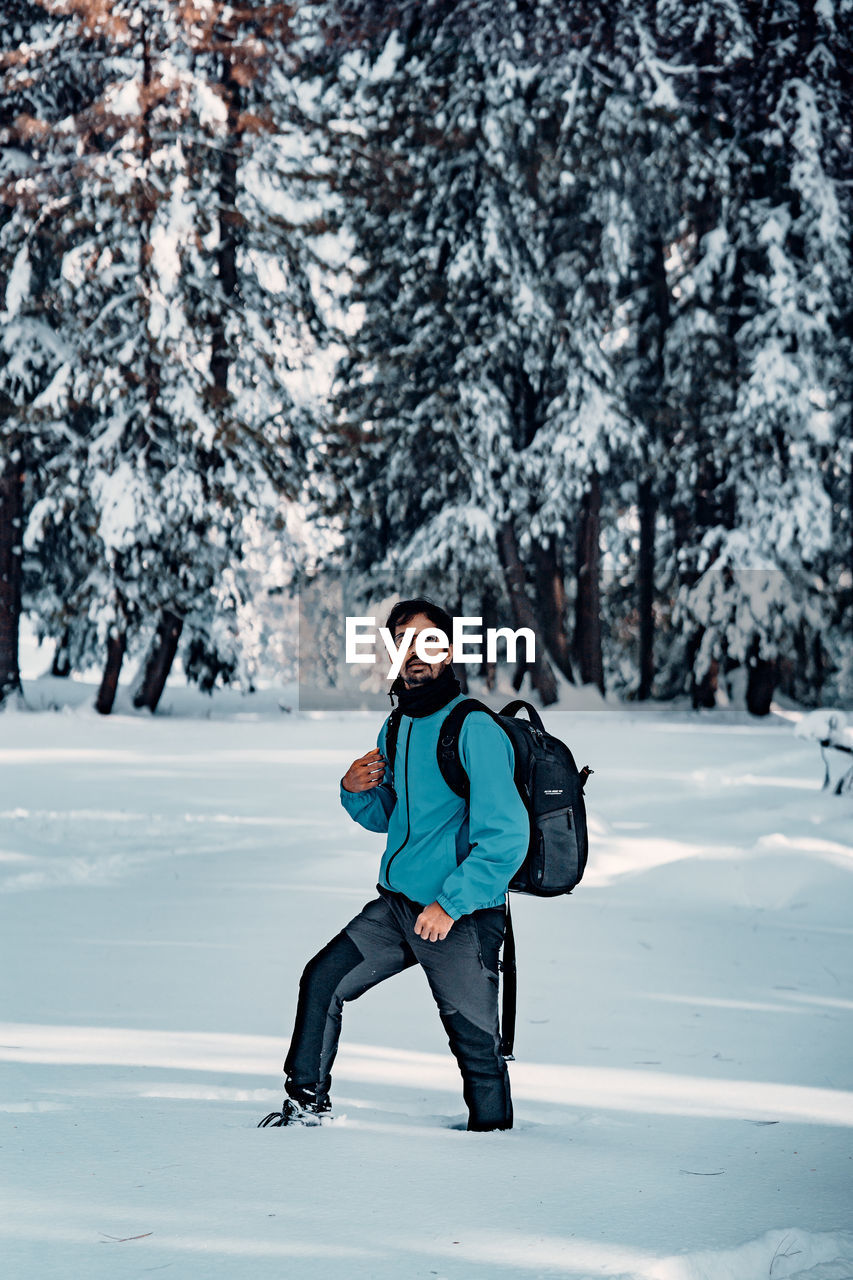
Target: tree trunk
228,218
587,638
646,587
647,402
160,659
760,681
760,684
703,693
147,201
551,604
116,646
850,537
489,614
61,665
461,668
819,667
11,530
541,672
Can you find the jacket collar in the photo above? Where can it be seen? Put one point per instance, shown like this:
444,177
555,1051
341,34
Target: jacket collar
426,699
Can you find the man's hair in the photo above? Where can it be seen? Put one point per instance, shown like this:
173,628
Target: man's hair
405,610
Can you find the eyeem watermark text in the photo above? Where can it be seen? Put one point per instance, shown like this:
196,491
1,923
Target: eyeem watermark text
432,645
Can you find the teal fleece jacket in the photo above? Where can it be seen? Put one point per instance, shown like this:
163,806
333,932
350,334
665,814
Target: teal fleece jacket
439,848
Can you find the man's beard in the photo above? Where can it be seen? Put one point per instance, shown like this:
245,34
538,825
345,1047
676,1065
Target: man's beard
421,690
422,673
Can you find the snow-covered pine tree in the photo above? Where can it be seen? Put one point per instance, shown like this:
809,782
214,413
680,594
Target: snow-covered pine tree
766,594
406,172
476,405
38,89
662,145
181,326
589,437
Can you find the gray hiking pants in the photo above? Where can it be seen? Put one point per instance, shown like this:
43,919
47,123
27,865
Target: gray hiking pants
462,971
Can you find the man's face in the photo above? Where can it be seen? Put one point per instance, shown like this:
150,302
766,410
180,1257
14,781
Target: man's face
413,670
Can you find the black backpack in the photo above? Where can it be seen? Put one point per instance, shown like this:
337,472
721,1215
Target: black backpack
551,786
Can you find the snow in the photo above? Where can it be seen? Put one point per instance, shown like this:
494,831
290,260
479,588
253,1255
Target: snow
168,237
73,265
123,99
166,258
18,284
56,389
385,66
274,198
211,105
117,495
807,176
682,1090
825,723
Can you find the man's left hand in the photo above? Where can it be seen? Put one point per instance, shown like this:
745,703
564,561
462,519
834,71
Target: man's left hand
433,924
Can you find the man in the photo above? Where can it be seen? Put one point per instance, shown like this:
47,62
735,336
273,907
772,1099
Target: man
442,886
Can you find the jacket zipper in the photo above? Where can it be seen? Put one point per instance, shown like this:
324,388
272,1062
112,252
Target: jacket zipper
406,785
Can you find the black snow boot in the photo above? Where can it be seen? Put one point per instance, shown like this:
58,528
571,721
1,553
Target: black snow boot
291,1113
302,1107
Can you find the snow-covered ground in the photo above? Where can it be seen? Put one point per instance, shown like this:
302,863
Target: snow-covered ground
684,1083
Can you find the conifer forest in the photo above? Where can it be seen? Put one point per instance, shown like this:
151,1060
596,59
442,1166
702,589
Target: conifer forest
541,308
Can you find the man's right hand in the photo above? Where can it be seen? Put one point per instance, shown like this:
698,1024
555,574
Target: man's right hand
364,773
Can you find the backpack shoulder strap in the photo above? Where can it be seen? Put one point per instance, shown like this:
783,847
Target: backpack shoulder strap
447,749
391,734
509,991
453,772
518,704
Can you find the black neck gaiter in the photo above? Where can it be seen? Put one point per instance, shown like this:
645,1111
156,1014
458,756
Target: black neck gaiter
423,699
